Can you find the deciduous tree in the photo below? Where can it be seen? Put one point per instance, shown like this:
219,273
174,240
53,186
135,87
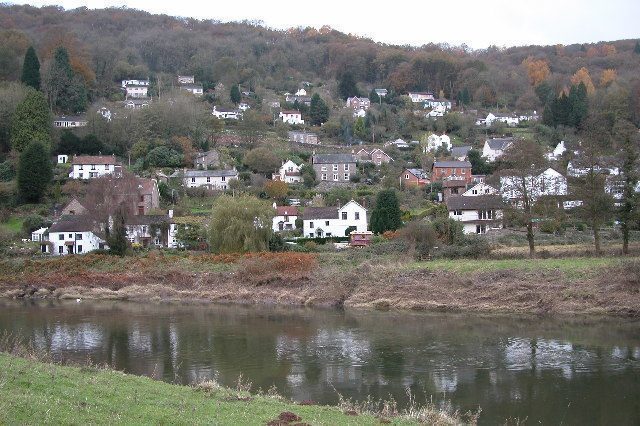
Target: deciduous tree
626,135
262,160
582,76
537,70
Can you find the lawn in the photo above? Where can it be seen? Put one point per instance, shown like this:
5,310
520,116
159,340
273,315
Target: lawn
32,392
13,225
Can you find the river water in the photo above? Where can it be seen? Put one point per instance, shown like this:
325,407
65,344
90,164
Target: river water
571,371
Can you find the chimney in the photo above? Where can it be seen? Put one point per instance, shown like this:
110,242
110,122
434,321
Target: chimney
338,201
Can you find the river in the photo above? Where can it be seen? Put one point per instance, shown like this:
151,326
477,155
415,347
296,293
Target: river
568,370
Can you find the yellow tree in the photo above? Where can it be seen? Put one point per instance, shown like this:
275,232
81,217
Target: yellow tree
607,77
276,189
537,69
582,76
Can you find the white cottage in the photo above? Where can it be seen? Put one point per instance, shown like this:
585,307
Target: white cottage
226,114
547,183
75,235
289,172
94,166
478,213
324,222
285,218
291,117
494,148
210,179
434,142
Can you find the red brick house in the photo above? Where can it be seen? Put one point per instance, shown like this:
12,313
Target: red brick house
442,170
414,177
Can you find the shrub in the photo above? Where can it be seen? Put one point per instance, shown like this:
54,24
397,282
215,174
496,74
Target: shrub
420,237
32,222
472,246
263,268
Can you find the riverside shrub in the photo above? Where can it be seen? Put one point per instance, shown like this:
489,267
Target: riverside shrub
265,267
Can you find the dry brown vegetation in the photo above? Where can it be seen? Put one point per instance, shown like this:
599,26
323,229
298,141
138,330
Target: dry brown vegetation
542,286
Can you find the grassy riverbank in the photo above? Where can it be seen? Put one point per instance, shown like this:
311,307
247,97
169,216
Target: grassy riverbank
608,285
33,392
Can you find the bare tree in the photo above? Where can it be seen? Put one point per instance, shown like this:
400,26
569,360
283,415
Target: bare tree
628,141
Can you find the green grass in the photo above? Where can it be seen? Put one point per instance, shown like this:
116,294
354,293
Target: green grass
573,267
32,392
13,225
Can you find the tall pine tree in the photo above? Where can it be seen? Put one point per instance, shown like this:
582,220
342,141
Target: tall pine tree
34,172
31,69
386,216
66,89
31,121
319,111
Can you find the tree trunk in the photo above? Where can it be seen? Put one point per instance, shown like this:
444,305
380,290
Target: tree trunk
625,237
596,238
532,248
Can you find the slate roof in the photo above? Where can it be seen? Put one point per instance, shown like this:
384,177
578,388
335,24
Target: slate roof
333,158
460,164
94,159
460,151
320,213
499,143
419,173
454,183
147,219
73,223
204,173
474,203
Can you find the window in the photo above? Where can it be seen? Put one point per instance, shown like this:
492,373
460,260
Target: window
70,236
78,237
344,215
357,215
335,167
224,178
323,169
324,176
208,179
481,229
80,248
193,180
80,167
326,223
475,192
93,167
311,225
406,176
61,249
93,174
346,176
335,176
346,167
106,167
80,175
144,229
61,237
457,212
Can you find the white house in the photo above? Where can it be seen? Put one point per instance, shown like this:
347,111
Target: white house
63,158
193,88
67,122
480,188
326,222
105,113
557,151
243,106
434,142
417,97
136,103
211,179
94,166
494,148
285,218
186,79
289,172
478,213
301,92
291,117
443,104
438,111
134,82
226,114
547,183
360,113
74,235
151,230
574,169
381,92
398,143
509,120
136,91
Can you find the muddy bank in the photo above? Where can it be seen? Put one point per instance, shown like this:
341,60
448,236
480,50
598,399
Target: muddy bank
611,291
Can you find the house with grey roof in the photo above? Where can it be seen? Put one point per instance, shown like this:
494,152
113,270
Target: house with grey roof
495,147
76,234
152,230
337,221
334,167
460,152
210,179
478,213
442,170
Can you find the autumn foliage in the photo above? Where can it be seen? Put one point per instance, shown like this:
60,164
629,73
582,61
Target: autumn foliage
537,70
607,77
285,267
582,76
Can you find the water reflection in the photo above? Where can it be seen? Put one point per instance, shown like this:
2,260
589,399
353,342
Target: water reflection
579,371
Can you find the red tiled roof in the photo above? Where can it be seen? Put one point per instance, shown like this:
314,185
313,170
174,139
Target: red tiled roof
94,159
287,211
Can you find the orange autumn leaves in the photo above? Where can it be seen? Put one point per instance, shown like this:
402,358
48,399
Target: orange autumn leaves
537,70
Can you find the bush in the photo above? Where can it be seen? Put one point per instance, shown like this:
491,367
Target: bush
420,238
32,222
472,246
263,268
7,172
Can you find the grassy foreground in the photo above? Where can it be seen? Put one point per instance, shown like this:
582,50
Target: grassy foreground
33,392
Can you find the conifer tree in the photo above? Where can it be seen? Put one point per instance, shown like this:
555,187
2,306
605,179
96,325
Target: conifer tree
31,121
235,95
386,215
31,69
66,89
34,172
319,111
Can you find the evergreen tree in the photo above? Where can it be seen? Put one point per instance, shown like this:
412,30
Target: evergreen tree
116,237
374,98
31,121
319,111
34,172
31,69
359,129
578,105
65,89
386,216
347,86
636,49
235,94
479,165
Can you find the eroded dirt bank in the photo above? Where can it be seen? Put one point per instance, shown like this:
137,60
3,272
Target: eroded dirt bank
610,291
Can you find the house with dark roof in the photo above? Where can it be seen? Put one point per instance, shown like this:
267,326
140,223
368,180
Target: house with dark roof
285,218
495,147
210,179
303,137
151,230
375,156
77,234
442,170
478,214
69,121
414,177
334,167
94,166
460,152
324,222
